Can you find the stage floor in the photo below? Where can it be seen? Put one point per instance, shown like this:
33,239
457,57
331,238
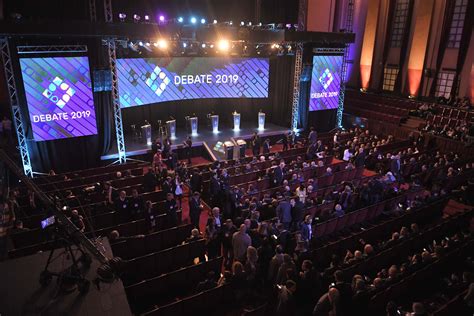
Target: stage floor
135,147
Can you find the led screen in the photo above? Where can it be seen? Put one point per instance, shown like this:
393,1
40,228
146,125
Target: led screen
325,82
59,96
151,80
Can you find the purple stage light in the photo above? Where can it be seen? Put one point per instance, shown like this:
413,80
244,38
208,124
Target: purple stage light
161,18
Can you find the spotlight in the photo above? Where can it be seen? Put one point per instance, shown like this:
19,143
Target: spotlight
185,45
180,19
147,18
242,23
122,17
161,18
223,45
230,23
250,24
162,44
140,43
203,45
193,20
215,21
136,18
133,46
203,21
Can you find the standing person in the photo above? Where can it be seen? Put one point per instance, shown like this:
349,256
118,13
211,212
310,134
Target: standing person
178,191
7,129
228,231
240,242
149,181
283,212
150,217
7,218
266,146
122,205
157,160
137,205
313,136
255,142
188,144
195,208
170,208
196,181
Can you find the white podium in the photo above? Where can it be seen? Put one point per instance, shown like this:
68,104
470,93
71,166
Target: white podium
194,125
261,121
215,123
171,126
236,121
146,132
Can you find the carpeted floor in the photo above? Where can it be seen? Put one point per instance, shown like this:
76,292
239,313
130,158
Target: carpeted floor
454,207
185,208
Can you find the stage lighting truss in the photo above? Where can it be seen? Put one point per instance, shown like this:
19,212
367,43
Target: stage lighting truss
15,105
47,49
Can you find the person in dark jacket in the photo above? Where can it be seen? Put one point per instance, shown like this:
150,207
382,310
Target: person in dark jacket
195,208
171,208
149,181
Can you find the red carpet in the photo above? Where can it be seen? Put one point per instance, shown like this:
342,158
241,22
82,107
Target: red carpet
454,207
196,161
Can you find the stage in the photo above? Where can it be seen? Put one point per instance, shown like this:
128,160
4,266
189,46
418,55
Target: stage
137,147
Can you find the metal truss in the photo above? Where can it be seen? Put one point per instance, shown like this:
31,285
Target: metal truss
348,29
109,18
92,11
302,14
296,86
46,49
17,117
111,48
258,11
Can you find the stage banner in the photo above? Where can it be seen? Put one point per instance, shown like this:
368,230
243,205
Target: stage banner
325,82
152,80
59,96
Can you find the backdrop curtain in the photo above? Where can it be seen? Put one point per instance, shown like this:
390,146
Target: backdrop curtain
443,42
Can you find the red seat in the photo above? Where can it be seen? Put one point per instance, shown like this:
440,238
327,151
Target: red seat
331,226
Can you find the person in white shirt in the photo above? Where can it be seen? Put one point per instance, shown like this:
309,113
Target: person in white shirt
347,155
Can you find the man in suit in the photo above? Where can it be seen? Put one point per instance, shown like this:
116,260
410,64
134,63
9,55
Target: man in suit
313,135
188,144
307,229
266,146
168,186
149,181
283,211
297,213
196,181
235,197
395,166
255,142
359,160
278,174
195,208
215,189
319,146
171,208
122,205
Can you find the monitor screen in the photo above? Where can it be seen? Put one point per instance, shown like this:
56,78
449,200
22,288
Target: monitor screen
59,96
325,82
152,80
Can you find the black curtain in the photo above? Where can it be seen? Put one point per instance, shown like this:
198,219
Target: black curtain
464,45
323,120
72,153
388,36
443,42
404,48
305,90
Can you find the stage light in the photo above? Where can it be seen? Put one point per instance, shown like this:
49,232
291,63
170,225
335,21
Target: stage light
215,21
140,43
250,24
211,46
242,23
180,19
185,45
203,21
161,18
193,20
147,18
162,44
275,46
136,18
122,17
203,45
230,23
223,45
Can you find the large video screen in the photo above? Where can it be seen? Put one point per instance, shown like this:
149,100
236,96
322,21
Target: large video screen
325,82
59,95
151,80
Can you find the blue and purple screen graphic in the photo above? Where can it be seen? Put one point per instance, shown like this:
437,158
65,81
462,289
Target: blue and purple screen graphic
325,82
152,80
59,95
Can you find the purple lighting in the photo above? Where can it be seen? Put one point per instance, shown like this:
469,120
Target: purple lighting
162,18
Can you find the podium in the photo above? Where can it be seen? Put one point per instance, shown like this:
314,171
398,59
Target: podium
193,121
215,123
261,121
236,117
171,127
242,146
146,132
229,150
